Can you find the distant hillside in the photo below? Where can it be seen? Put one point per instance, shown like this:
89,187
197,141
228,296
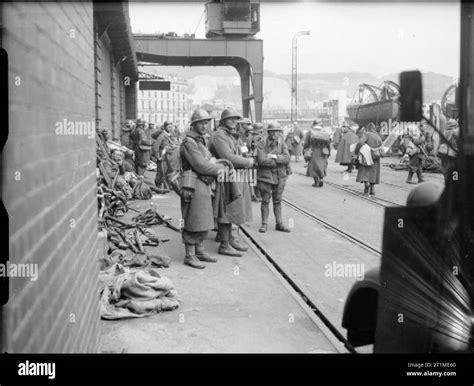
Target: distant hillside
209,84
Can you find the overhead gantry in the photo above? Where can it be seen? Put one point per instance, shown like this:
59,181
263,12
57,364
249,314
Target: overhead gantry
245,55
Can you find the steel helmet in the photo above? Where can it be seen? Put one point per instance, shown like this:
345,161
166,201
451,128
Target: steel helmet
140,122
198,116
245,121
258,127
274,126
230,113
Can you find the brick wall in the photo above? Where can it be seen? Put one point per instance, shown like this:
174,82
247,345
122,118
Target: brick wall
49,180
105,80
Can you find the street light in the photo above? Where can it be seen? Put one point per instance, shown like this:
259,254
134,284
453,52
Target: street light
294,92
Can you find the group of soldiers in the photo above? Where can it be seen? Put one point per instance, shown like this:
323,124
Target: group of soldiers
224,169
148,144
218,178
416,145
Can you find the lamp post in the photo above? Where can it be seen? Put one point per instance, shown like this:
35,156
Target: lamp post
294,87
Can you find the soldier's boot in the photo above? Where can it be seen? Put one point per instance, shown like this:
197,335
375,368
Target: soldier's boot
203,256
316,182
225,248
420,177
372,190
235,243
190,258
278,219
265,212
409,178
366,187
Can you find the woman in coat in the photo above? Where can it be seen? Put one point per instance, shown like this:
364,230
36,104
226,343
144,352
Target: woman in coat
343,155
318,164
369,175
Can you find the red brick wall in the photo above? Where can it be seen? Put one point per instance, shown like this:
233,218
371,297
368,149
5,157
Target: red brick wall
49,179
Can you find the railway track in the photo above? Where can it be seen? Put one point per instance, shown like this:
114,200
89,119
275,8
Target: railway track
335,229
381,202
286,277
299,292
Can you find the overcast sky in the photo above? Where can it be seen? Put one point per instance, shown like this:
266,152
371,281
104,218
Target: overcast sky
379,38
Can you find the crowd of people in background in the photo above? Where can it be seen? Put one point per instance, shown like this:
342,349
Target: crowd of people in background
259,155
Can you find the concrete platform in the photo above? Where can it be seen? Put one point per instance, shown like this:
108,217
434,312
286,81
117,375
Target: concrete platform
236,305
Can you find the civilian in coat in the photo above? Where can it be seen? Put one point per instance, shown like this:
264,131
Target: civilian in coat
294,140
320,152
343,155
369,175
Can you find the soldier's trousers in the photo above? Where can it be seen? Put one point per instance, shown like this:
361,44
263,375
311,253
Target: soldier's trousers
159,174
272,192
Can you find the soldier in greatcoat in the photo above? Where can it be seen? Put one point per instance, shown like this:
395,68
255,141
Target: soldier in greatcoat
232,202
196,201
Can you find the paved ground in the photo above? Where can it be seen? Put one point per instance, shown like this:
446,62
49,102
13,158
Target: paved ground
235,305
238,304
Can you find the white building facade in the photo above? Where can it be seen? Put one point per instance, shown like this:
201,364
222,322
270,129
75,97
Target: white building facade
158,106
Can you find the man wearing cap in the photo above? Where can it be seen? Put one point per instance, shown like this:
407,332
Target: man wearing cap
231,207
142,147
446,153
273,160
196,201
162,140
